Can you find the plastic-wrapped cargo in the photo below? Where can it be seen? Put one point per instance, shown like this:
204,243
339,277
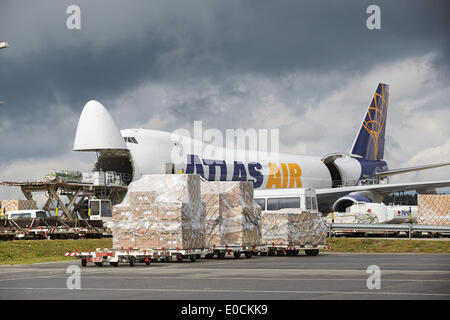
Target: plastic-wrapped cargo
160,211
13,205
232,216
293,227
433,209
64,176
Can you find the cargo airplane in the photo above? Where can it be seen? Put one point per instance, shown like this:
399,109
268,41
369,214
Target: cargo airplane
340,179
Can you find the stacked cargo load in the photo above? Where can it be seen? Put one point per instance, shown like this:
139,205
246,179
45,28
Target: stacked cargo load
293,227
433,209
232,216
160,211
14,205
64,176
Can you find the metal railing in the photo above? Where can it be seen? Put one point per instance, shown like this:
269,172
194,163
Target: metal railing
410,228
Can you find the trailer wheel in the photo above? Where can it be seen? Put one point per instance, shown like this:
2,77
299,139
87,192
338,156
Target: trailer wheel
237,254
209,256
271,253
295,252
99,264
132,261
263,254
114,264
248,254
83,262
280,253
193,257
221,255
312,252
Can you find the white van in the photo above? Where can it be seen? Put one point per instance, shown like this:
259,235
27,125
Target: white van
276,199
24,214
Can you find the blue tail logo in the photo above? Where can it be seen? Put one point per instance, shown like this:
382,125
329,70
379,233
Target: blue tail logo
369,143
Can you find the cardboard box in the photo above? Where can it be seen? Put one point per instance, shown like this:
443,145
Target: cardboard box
232,216
161,211
293,227
14,205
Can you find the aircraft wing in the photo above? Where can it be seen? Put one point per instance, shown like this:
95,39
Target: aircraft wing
326,197
411,169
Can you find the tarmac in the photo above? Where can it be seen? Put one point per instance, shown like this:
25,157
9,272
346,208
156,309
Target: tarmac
329,276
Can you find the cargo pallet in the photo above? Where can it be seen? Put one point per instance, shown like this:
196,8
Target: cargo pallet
167,255
290,250
49,228
7,235
131,256
221,251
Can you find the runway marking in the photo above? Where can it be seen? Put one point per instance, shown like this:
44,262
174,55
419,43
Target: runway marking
200,270
53,276
240,291
278,271
238,278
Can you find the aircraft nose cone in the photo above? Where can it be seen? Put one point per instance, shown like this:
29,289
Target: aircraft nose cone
97,130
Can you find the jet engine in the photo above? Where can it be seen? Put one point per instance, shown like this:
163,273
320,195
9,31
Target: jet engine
356,197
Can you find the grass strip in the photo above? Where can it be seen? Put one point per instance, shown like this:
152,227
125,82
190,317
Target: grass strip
388,245
36,251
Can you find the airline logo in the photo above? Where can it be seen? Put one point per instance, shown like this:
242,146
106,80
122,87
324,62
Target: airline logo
283,175
370,141
375,120
403,212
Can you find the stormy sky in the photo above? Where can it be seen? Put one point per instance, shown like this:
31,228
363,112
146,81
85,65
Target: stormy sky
308,68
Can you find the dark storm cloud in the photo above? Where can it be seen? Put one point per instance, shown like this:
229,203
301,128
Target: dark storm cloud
121,46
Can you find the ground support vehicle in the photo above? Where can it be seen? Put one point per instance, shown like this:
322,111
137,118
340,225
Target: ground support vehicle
223,251
291,250
132,256
50,228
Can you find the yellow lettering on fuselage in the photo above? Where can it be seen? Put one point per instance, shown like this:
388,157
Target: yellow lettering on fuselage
295,172
290,172
274,176
285,175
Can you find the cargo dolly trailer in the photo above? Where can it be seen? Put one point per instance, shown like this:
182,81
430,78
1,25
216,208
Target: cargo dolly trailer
131,255
291,250
222,251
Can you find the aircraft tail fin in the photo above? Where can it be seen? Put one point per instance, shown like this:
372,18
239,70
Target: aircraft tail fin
369,143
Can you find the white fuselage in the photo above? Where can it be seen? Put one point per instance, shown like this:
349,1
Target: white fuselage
156,148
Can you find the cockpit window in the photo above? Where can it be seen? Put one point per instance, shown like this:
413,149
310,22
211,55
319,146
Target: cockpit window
130,139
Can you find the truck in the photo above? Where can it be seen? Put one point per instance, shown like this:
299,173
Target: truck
276,199
100,209
27,214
